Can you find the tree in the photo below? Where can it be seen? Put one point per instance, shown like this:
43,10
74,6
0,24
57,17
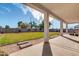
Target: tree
32,25
1,29
19,23
41,25
7,26
22,25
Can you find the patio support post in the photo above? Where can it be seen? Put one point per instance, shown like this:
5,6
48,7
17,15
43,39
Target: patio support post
61,27
66,28
46,27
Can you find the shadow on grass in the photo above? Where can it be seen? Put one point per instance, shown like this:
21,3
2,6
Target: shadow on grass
47,50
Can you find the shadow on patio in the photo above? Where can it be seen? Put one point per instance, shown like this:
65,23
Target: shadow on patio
71,39
47,50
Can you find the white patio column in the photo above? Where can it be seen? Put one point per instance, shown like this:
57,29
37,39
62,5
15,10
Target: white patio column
61,27
46,27
66,28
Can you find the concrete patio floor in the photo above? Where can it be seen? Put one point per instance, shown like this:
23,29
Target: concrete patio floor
59,46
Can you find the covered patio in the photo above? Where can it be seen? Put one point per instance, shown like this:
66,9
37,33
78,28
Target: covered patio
64,44
59,46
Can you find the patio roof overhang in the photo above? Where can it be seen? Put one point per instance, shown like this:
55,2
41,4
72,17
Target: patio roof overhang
68,12
65,12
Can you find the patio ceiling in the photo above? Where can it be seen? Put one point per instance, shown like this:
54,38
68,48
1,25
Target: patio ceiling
67,11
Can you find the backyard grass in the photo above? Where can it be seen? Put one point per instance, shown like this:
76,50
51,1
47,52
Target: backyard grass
9,38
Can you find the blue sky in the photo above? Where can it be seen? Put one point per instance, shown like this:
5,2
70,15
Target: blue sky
10,14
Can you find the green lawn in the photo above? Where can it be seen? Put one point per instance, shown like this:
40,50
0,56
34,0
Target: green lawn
17,37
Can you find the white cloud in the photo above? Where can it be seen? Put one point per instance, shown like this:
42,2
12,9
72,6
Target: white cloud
64,25
51,18
6,9
35,13
24,10
22,7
